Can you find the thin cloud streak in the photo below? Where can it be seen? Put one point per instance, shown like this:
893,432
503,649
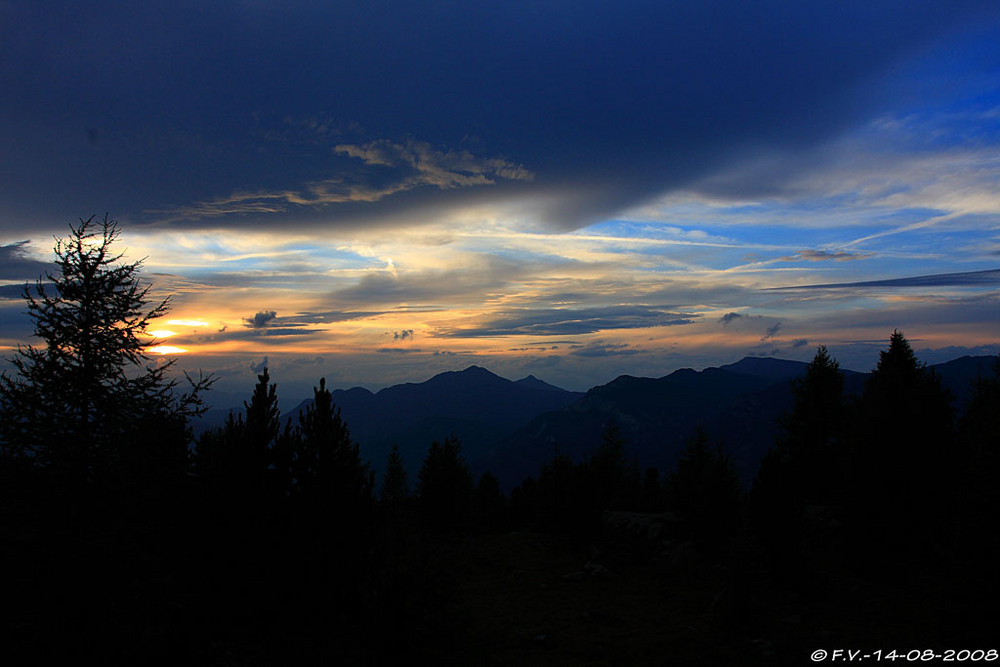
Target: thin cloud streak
968,279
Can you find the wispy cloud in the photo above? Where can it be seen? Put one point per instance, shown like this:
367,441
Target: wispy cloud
18,262
570,321
772,331
965,279
387,168
831,255
604,350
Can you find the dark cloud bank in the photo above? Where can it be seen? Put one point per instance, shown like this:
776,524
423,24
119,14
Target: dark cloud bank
228,113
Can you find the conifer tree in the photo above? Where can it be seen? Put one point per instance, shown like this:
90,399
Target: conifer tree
705,489
328,465
89,394
609,470
806,465
262,424
978,496
444,486
811,442
395,487
902,463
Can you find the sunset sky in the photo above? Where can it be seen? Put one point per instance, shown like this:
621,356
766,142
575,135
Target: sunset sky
376,192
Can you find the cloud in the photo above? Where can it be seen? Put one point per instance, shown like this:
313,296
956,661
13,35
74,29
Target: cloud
605,350
729,317
963,279
426,165
402,335
479,274
391,168
258,367
772,331
328,316
12,292
570,321
829,255
656,98
799,342
261,319
17,263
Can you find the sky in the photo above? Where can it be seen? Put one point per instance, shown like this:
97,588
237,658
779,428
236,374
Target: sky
376,192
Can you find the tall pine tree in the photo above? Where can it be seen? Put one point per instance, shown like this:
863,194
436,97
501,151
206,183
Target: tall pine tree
89,401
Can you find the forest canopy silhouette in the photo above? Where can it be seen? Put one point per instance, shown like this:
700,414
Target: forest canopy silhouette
268,539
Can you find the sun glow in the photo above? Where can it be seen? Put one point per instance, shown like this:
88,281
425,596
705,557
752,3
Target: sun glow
188,323
162,333
167,349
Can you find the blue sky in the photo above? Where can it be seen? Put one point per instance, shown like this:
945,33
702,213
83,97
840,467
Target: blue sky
376,192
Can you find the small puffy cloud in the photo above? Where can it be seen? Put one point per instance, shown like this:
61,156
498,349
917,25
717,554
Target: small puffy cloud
261,319
729,317
799,342
405,334
259,366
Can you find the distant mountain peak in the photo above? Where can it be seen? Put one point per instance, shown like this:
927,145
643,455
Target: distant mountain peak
769,367
534,383
477,369
470,376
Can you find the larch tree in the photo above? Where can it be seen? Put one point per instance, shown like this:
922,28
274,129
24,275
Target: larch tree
89,398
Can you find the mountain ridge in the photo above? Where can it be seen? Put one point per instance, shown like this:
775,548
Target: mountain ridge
512,427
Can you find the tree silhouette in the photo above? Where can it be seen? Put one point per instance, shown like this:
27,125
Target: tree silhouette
901,468
491,505
328,466
444,486
84,401
608,470
395,488
978,496
806,465
262,424
813,430
705,489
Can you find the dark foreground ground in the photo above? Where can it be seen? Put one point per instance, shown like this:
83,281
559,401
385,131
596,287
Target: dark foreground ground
129,593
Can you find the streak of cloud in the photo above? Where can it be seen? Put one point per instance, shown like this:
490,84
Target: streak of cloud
771,332
964,279
562,322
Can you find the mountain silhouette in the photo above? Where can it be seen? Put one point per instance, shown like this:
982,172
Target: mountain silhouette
512,427
738,405
476,405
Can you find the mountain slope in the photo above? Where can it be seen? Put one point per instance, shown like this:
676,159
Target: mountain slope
738,405
477,406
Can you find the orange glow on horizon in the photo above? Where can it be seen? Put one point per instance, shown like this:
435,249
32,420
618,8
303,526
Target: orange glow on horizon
188,323
167,349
